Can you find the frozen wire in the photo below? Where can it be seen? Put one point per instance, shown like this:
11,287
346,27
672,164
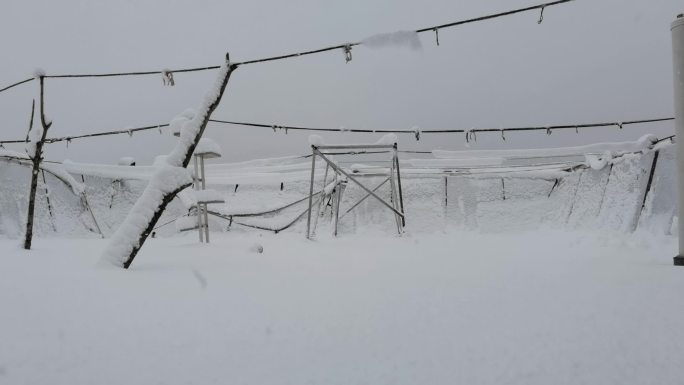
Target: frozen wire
346,47
471,131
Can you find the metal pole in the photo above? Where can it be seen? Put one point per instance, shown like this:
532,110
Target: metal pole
313,168
320,201
678,58
401,193
204,205
198,210
204,184
393,195
337,205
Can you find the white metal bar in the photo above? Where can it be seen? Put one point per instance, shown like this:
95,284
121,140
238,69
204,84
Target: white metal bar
678,60
198,210
313,169
355,147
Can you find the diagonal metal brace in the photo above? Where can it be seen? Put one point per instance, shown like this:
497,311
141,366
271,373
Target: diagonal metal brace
364,198
351,178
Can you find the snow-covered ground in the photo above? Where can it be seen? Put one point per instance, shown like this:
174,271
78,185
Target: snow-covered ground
450,307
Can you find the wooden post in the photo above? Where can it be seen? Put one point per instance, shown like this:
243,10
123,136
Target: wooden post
36,158
188,150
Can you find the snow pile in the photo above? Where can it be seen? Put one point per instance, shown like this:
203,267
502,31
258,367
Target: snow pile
206,146
408,39
598,162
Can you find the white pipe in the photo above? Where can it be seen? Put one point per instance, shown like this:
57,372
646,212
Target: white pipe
678,60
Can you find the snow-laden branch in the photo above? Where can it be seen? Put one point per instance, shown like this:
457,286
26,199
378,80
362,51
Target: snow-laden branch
169,178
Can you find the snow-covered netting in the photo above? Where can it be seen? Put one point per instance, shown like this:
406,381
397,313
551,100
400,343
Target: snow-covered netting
602,187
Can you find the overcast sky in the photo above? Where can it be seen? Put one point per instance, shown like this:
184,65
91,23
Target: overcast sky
590,60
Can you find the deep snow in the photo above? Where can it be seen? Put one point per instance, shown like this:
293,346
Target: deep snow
446,308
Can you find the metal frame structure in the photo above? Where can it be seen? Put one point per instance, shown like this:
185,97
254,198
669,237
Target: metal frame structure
396,203
199,183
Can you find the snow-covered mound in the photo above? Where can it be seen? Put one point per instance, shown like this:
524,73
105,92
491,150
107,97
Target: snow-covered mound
612,187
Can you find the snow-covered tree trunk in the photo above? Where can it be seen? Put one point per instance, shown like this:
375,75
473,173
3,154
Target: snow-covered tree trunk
168,180
36,139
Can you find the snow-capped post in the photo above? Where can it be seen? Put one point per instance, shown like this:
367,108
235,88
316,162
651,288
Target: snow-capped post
169,179
678,60
36,139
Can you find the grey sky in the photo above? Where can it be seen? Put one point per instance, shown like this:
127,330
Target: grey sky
591,60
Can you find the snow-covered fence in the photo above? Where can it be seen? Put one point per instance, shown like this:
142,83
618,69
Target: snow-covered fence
574,196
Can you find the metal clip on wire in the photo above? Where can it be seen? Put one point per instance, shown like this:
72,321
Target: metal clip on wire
541,15
167,78
436,35
347,53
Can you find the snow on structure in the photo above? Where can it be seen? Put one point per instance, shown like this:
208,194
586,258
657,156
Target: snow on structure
34,136
56,169
207,145
599,162
646,142
177,122
408,39
455,194
109,171
126,161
